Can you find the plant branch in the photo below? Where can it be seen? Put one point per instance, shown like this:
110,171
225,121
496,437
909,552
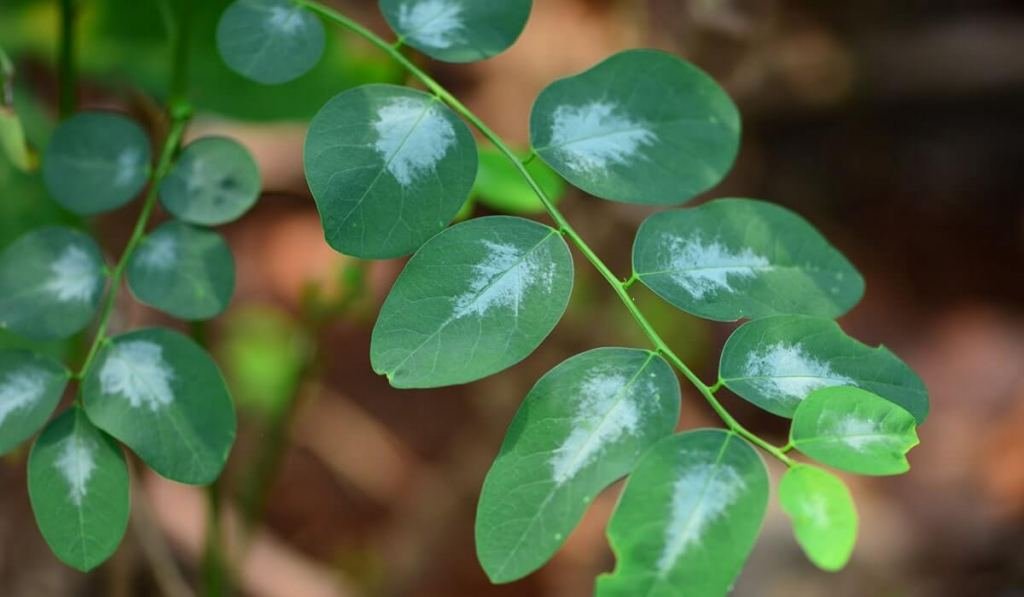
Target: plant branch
66,73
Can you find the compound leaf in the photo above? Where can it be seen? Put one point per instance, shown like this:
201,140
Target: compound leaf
823,515
30,389
500,186
214,181
270,41
457,30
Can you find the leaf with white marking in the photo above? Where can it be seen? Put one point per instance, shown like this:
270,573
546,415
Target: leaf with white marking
854,430
30,389
270,41
823,514
776,362
641,127
688,517
582,426
183,270
457,30
389,167
78,486
214,181
96,162
51,281
161,394
736,258
474,300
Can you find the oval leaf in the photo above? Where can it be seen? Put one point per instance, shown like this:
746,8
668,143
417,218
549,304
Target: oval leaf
500,186
183,270
581,427
474,300
823,514
641,127
688,517
389,167
30,389
777,361
96,162
270,41
214,181
51,282
78,485
457,30
855,431
161,394
736,258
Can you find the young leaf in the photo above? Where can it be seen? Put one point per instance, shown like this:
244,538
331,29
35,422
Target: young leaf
269,41
30,388
51,281
214,181
688,517
389,167
581,427
823,514
457,30
96,162
474,300
641,127
735,258
777,361
183,270
500,186
161,394
78,486
855,431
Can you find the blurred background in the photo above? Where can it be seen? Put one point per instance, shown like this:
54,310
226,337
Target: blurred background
895,127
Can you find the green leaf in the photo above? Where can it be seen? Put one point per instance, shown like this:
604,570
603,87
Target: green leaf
735,258
30,389
641,127
214,181
162,395
854,430
581,427
474,300
270,41
688,517
96,162
777,361
13,143
500,186
183,270
78,486
457,30
51,281
823,514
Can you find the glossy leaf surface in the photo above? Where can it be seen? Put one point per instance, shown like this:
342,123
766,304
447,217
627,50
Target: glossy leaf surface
457,30
270,41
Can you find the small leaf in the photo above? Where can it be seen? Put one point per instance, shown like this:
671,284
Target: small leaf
855,431
474,300
51,281
641,127
78,485
183,270
270,41
389,167
735,258
581,427
688,517
500,186
162,395
777,361
823,514
214,181
457,30
13,143
96,162
30,389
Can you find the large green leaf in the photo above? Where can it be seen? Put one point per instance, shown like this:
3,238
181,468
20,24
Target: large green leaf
777,361
51,281
457,30
30,389
96,162
78,485
736,258
500,185
162,395
688,517
855,431
389,167
641,127
823,514
581,427
270,41
474,300
183,270
214,181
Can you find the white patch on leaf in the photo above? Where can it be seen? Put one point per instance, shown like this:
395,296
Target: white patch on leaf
159,252
412,137
76,462
432,23
283,19
706,268
858,433
814,509
785,372
597,135
502,279
699,497
136,370
73,276
129,161
21,389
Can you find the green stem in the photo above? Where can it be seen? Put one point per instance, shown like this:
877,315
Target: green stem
66,74
6,81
